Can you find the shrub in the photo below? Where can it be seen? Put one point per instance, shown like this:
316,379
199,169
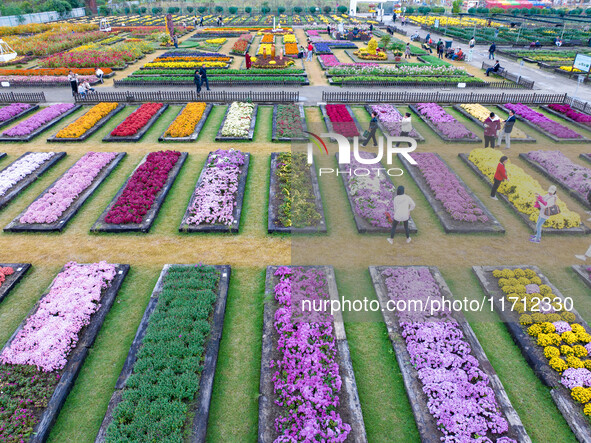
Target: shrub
248,9
482,10
327,9
424,9
342,9
298,9
103,10
409,10
190,9
439,10
202,9
471,10
233,10
496,10
219,9
312,9
143,10
280,9
265,9
155,11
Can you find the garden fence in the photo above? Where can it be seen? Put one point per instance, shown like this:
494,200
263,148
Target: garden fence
579,105
190,96
441,97
22,97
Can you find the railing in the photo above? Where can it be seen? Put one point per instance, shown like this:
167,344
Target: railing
22,97
190,96
441,97
579,105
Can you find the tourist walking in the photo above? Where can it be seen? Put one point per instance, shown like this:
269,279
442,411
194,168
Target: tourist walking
247,60
440,49
491,126
506,131
407,51
201,22
203,74
73,79
500,176
491,51
99,74
197,80
403,205
371,133
394,20
310,51
548,207
175,41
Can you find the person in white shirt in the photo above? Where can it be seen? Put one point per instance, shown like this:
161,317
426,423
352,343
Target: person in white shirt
472,42
81,89
403,205
99,74
87,86
405,126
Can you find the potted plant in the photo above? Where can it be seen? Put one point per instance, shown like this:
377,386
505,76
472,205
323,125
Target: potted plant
397,55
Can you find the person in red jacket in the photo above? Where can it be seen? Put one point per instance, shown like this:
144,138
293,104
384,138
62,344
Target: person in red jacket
500,175
491,126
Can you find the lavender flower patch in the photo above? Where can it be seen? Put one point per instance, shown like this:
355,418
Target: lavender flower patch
391,120
8,112
446,126
542,122
37,120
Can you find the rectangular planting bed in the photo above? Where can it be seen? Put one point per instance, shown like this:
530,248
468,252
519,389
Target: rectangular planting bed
124,205
469,137
130,120
583,272
248,136
52,348
15,117
196,296
298,120
423,340
167,137
581,229
372,219
37,219
527,139
98,125
388,110
347,128
30,166
466,214
26,135
223,176
498,284
12,274
568,119
306,212
322,349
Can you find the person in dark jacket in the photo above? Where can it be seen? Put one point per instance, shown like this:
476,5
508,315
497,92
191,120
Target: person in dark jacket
495,68
491,51
491,126
394,19
500,175
507,128
203,74
373,127
197,80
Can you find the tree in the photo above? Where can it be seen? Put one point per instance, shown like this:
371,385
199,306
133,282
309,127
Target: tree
202,9
409,10
312,9
143,10
233,10
127,10
103,10
280,10
190,9
155,10
456,6
327,9
342,9
424,9
248,9
588,11
265,9
219,9
297,9
470,10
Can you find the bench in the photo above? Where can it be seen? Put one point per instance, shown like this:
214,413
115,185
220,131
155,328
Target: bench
502,72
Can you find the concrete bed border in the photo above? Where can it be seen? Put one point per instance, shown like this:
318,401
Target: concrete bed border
38,131
195,135
138,136
20,269
102,122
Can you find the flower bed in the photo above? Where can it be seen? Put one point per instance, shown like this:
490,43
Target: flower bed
554,340
312,367
88,124
408,81
43,358
268,38
444,125
455,205
135,126
188,123
51,42
216,203
196,297
371,196
478,114
241,46
51,72
340,119
52,210
409,70
220,80
136,205
565,111
390,120
10,275
28,129
14,111
520,192
454,392
45,80
576,179
295,204
289,123
548,127
24,171
323,47
239,122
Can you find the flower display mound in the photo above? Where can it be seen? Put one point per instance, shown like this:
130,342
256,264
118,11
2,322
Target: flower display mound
569,112
459,393
481,113
391,119
330,60
37,120
448,190
215,198
136,120
5,271
372,195
32,362
540,120
86,122
21,169
171,351
142,188
521,190
238,120
289,121
298,202
371,52
184,124
64,192
446,124
271,63
342,121
307,371
565,342
562,168
8,112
